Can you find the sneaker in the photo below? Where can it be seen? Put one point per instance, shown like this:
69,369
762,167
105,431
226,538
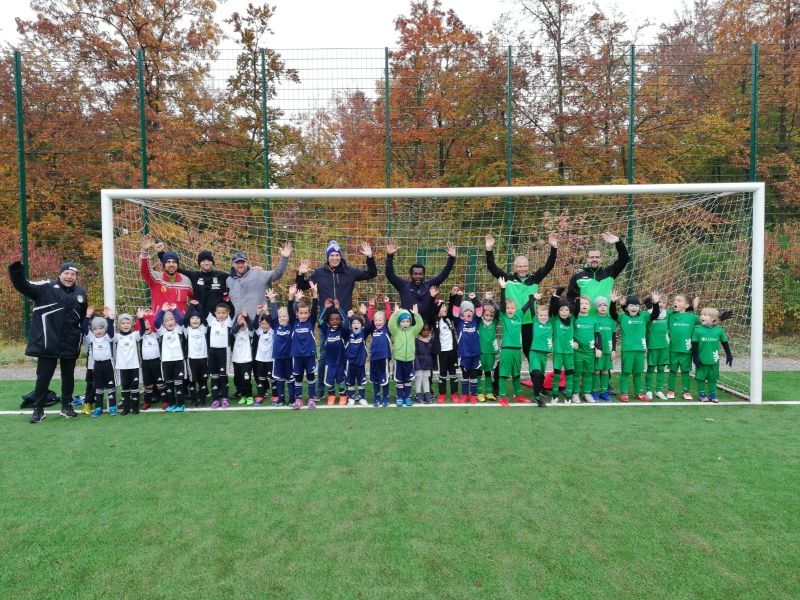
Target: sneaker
164,405
463,399
670,395
554,399
180,408
702,397
409,401
503,401
589,398
473,399
713,398
87,408
298,404
331,400
225,403
661,395
97,411
426,399
145,406
249,401
68,412
376,403
521,400
687,396
216,404
649,395
112,411
363,402
399,402
38,415
312,404
595,397
624,398
576,399
540,403
440,399
171,408
351,402
77,401
342,400
604,397
455,398
385,403
258,400
242,400
643,398
481,398
490,398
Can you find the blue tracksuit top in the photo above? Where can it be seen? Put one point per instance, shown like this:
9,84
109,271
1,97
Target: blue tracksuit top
304,342
468,340
282,345
423,358
381,346
355,351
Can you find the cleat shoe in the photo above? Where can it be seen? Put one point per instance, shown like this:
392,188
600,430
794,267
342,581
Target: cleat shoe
624,398
440,398
554,399
216,404
503,401
350,402
363,402
331,400
376,403
97,411
643,397
409,401
702,397
713,398
490,398
164,405
589,398
180,408
604,397
145,406
540,403
463,399
576,399
454,398
171,408
68,412
38,415
258,400
249,401
670,395
226,403
481,398
385,403
87,408
399,402
521,400
242,400
595,397
661,396
298,404
473,399
112,411
649,396
342,400
77,401
312,403
687,396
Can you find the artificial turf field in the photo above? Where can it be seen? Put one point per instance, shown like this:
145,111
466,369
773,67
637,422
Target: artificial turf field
662,502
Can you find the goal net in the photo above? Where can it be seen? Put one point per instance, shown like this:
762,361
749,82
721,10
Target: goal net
695,239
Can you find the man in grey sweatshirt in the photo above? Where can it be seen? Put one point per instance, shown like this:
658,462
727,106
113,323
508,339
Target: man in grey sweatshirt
247,286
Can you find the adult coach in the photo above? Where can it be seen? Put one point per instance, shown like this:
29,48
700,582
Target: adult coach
416,290
247,286
165,286
55,334
593,279
209,286
522,283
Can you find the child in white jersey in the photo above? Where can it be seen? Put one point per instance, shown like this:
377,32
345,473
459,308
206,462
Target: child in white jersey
242,358
197,353
100,334
219,325
263,344
126,351
169,324
152,379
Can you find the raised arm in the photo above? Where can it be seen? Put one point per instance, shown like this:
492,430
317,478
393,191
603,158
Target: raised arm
372,269
16,272
622,258
448,266
540,274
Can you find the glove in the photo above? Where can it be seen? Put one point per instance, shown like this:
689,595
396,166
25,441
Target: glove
15,266
558,290
696,361
726,315
729,360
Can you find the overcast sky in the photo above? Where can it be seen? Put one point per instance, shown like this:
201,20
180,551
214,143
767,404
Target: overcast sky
363,23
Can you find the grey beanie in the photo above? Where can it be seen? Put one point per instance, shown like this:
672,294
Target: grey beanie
125,317
600,300
98,322
467,305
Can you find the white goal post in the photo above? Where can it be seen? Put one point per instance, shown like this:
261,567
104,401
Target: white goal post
109,196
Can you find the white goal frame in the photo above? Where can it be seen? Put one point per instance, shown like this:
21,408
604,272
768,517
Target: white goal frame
107,197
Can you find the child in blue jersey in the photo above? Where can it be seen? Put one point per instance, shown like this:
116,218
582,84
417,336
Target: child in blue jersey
281,321
304,347
333,333
355,355
380,351
468,344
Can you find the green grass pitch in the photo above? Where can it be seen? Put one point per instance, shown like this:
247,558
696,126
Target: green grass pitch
687,502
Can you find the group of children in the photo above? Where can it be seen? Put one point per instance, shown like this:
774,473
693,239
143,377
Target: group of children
178,354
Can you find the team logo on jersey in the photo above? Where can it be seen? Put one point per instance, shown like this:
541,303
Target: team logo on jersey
79,298
644,343
715,356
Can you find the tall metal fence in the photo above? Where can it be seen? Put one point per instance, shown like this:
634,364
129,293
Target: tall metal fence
482,116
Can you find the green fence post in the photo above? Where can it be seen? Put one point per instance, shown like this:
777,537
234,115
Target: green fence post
142,134
754,114
265,155
509,208
631,151
387,140
23,189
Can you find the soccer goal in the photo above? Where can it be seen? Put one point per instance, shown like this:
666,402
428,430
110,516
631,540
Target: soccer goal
702,239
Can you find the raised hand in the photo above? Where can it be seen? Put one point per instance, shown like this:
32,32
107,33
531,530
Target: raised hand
558,290
655,297
272,295
371,302
165,306
336,303
455,291
147,243
488,295
489,242
385,299
148,312
173,306
286,250
260,308
292,290
614,296
696,302
538,295
451,249
366,249
609,237
194,302
391,247
313,287
363,308
433,291
472,296
140,313
351,313
552,239
304,267
160,247
414,309
328,302
89,312
502,281
396,307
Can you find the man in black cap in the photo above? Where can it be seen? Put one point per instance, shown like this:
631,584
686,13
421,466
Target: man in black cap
55,334
209,286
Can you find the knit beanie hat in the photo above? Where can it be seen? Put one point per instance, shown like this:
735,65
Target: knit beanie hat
169,255
467,305
68,266
98,322
564,302
404,314
333,246
264,317
125,317
205,255
600,300
633,299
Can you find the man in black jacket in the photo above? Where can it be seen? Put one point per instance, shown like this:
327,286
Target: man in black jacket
209,286
55,334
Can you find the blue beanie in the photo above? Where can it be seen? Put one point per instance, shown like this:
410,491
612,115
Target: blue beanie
404,314
333,246
169,255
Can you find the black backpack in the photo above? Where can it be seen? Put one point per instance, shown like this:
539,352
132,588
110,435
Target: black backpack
50,400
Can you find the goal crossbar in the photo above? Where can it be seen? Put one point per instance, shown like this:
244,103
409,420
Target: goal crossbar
757,189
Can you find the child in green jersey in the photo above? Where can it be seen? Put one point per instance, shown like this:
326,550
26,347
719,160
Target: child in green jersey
587,337
681,320
541,344
657,350
487,332
564,344
510,347
608,350
706,340
633,327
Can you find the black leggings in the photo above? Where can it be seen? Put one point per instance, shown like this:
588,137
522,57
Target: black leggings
45,367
